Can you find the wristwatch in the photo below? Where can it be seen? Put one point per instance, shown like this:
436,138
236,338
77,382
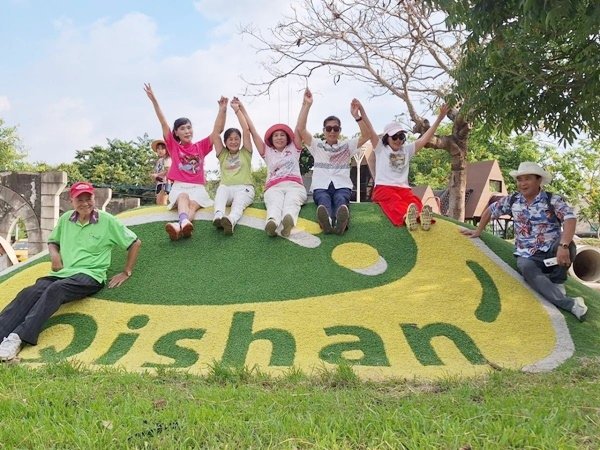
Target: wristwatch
127,272
563,245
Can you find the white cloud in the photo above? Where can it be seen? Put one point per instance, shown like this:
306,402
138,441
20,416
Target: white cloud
89,87
4,103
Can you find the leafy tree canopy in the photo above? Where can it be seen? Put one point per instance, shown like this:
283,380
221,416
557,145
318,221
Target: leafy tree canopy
577,177
432,167
10,148
529,64
123,165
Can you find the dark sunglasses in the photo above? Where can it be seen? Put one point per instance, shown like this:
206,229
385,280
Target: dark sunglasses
398,136
333,128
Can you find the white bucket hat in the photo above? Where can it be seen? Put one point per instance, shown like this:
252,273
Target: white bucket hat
531,168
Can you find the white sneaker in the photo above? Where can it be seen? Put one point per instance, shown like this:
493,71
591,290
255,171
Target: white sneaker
579,309
10,347
288,224
426,218
227,225
271,227
324,220
218,221
411,217
341,221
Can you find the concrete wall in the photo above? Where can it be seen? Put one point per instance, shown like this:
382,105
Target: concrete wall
33,198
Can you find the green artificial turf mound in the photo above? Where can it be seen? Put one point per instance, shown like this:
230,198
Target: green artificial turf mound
388,302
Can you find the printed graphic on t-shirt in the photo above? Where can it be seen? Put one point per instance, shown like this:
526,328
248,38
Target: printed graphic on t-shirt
233,163
397,161
285,166
189,163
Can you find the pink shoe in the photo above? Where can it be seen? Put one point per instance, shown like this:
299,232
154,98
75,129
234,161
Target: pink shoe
187,228
173,230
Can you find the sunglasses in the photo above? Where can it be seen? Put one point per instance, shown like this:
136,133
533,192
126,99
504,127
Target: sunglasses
398,136
333,128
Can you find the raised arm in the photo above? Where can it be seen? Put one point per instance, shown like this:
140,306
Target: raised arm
366,127
258,142
420,143
166,130
246,135
301,130
215,136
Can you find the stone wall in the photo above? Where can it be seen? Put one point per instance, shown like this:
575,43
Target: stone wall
33,198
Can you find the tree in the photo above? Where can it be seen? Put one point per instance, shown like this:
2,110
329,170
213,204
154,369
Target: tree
577,177
432,168
123,166
10,148
529,64
403,48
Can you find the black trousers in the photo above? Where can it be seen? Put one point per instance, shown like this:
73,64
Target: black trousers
34,305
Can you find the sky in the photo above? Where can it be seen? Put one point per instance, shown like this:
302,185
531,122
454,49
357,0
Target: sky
73,72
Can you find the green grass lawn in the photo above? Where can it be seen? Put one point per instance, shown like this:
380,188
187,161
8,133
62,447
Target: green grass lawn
60,406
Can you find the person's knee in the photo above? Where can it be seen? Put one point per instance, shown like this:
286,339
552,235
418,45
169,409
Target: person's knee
527,267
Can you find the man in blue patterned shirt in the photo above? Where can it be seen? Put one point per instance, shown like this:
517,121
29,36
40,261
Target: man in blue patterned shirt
544,227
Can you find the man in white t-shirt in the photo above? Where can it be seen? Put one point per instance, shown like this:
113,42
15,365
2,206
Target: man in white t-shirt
331,183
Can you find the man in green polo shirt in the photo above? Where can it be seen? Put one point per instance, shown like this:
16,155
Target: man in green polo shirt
80,249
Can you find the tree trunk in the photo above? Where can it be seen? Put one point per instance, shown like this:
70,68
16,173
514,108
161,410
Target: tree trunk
457,186
456,145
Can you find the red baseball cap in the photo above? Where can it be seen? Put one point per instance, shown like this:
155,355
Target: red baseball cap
81,187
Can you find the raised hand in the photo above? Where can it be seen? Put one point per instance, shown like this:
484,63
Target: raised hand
308,97
149,92
223,103
356,108
444,110
235,104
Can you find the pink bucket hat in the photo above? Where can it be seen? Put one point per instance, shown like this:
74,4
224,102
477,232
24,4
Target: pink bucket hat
279,127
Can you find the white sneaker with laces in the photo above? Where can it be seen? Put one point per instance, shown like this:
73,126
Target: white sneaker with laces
579,308
10,347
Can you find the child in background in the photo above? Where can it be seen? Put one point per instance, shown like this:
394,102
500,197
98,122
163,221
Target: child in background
159,173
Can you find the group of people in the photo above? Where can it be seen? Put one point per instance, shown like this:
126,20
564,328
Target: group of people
284,189
80,245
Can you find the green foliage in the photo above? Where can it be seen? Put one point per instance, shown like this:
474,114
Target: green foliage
10,148
123,166
529,64
259,178
432,167
306,161
509,150
577,177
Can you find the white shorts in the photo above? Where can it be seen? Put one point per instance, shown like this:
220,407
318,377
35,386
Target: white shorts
196,192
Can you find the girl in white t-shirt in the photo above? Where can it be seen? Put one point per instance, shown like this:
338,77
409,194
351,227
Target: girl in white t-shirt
187,166
392,157
284,190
